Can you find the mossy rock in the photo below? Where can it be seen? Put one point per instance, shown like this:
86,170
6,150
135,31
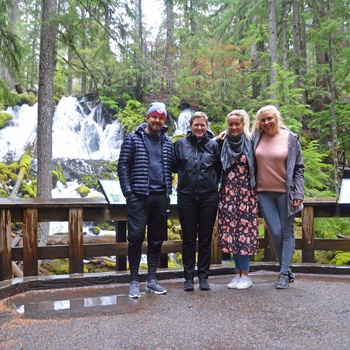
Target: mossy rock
83,191
57,266
95,230
24,99
4,118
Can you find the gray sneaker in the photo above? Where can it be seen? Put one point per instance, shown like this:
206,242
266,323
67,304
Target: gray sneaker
283,281
134,291
153,286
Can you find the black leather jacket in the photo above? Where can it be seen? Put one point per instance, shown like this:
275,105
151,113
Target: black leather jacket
133,164
197,164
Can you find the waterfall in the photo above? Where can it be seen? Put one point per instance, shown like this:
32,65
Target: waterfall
78,132
182,125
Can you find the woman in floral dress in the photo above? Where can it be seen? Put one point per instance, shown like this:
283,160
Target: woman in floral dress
238,206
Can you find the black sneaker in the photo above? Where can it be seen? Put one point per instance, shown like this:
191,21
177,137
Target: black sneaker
203,284
291,276
188,286
282,282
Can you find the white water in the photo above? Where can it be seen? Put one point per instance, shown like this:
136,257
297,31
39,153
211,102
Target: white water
75,133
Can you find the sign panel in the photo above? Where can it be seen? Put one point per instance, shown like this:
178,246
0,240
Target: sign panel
344,197
112,191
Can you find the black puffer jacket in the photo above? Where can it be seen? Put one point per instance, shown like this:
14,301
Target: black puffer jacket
133,164
197,164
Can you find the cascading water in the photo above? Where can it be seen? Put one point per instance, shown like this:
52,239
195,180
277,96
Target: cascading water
182,125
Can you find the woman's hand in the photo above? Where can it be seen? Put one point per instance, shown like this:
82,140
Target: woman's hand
297,202
222,135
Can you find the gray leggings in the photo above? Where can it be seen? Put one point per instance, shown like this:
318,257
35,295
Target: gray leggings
273,207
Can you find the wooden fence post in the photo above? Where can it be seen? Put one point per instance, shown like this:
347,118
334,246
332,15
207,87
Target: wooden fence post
5,245
216,253
76,247
30,242
308,234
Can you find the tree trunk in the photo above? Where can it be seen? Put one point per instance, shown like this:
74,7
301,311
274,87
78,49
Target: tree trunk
332,90
273,44
169,54
45,106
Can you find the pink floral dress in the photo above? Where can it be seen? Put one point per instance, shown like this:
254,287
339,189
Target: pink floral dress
238,212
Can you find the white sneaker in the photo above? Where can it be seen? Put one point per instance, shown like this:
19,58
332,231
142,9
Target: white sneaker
244,282
234,282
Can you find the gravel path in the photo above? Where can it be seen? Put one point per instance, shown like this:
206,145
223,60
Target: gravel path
314,313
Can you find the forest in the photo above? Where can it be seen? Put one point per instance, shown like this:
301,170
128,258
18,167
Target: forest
213,56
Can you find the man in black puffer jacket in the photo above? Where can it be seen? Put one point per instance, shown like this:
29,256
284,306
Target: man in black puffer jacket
144,170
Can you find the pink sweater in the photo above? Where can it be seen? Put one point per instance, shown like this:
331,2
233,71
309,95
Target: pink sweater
271,156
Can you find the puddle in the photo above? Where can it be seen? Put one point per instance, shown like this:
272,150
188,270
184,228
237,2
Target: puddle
78,302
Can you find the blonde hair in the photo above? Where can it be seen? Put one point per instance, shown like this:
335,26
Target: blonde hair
199,115
277,115
244,119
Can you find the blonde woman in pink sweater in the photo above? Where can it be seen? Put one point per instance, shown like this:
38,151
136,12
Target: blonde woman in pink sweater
280,184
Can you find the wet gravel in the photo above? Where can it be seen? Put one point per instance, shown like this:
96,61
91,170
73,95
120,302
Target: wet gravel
313,313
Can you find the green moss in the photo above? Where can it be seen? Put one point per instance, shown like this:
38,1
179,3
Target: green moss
96,230
21,99
58,175
4,118
56,267
83,191
28,190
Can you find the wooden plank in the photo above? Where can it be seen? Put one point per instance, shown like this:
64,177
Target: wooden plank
76,248
332,244
5,245
308,235
215,251
30,242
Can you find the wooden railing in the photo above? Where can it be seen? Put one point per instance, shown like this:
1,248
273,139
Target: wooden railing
76,211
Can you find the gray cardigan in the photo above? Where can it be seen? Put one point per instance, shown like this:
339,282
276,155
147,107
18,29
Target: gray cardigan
294,169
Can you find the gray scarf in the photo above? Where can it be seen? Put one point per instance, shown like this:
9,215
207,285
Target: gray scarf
232,148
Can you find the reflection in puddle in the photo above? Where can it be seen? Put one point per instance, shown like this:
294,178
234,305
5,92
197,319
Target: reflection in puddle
54,306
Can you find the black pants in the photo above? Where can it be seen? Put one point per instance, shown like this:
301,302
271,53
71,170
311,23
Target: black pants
197,215
151,211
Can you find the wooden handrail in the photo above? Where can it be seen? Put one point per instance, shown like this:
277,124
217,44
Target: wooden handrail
75,211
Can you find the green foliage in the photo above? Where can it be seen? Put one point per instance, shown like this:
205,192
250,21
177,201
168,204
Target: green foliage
6,98
316,172
132,115
341,258
4,117
331,227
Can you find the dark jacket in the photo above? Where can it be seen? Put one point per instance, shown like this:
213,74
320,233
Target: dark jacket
197,164
133,164
294,170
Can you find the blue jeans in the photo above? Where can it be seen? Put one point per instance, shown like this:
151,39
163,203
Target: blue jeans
241,262
273,206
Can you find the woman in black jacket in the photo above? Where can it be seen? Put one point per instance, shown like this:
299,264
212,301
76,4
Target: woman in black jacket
198,167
